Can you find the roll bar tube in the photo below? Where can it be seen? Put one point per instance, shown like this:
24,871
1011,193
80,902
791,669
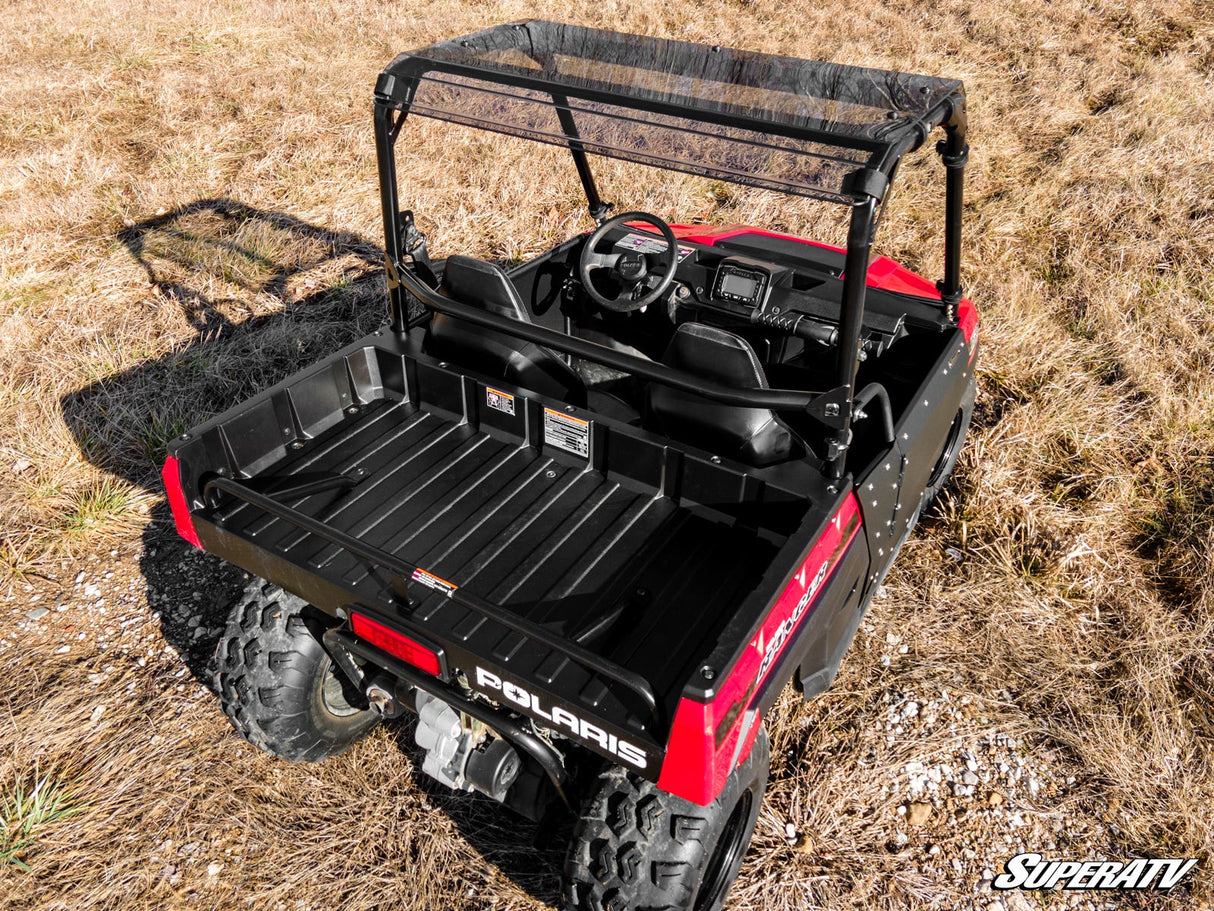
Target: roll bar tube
954,153
855,287
751,397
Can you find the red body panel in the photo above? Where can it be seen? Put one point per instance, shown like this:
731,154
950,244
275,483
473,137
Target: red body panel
967,319
703,747
171,475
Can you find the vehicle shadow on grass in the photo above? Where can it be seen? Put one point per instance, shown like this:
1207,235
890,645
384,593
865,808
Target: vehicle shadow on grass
266,294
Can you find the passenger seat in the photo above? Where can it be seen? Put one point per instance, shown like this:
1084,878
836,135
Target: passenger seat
755,436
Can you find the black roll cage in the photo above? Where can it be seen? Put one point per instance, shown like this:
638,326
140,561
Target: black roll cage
867,192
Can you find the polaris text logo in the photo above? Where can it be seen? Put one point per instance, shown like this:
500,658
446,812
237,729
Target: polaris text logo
1032,871
579,727
784,630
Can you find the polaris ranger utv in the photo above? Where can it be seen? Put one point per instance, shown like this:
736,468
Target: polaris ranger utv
588,516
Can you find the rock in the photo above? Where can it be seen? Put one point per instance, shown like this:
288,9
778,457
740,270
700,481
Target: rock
804,844
790,831
996,905
96,715
36,614
995,799
1017,902
214,868
969,777
918,814
63,650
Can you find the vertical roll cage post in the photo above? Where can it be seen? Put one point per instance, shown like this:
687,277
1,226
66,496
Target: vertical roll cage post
855,286
387,128
954,153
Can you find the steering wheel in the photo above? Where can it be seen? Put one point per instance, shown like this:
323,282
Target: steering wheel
631,268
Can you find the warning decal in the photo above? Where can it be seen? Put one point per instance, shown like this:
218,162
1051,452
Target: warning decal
566,432
647,243
432,581
501,401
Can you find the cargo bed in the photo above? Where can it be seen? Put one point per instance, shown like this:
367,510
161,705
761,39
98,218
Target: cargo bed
563,534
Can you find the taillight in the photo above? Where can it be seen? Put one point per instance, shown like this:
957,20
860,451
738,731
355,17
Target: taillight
171,475
394,643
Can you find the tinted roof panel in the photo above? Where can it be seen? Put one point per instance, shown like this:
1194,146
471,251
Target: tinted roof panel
786,124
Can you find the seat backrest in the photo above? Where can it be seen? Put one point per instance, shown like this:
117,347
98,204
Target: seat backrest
751,435
482,284
519,362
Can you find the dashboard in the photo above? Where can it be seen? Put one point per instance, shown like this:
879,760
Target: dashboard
786,286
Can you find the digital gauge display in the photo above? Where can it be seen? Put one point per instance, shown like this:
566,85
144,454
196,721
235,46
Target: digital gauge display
737,285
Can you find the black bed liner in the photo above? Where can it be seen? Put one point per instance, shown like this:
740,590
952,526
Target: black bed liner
648,555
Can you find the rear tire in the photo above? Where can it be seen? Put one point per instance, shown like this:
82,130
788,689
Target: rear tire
951,452
277,684
636,847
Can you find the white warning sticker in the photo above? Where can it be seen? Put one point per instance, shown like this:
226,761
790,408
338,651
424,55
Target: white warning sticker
432,581
567,432
501,401
647,243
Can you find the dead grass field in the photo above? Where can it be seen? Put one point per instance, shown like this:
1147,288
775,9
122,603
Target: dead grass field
188,212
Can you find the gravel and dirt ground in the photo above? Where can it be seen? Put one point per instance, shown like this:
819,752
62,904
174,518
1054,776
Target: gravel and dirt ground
188,212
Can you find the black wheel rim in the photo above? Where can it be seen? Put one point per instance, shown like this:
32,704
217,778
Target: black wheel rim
726,856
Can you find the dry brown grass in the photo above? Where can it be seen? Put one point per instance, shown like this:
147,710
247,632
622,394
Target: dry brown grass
1078,620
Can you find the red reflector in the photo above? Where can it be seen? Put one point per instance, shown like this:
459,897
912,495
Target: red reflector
396,644
171,475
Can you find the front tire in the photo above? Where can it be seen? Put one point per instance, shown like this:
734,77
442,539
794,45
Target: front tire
277,684
636,847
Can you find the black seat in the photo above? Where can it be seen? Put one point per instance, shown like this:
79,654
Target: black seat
751,435
517,361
